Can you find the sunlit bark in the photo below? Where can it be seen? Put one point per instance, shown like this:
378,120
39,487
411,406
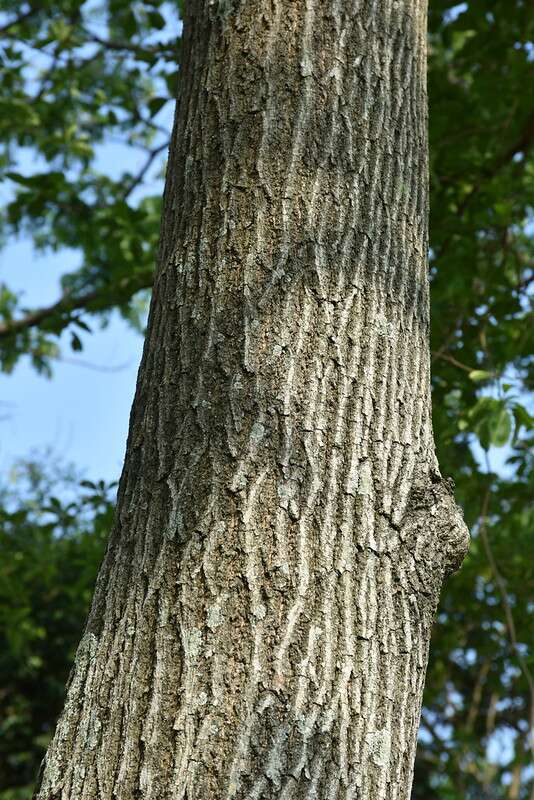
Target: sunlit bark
261,622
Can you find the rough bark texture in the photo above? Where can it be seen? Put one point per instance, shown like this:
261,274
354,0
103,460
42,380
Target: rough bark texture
261,620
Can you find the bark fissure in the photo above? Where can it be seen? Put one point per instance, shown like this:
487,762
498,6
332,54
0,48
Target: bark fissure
261,621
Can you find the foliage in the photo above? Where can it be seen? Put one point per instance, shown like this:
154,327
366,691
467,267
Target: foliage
53,530
78,75
479,699
480,689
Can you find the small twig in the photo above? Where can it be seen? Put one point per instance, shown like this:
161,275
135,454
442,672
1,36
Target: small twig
448,339
474,707
80,362
137,179
164,47
452,360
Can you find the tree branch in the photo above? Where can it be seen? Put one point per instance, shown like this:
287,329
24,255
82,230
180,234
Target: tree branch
438,354
137,179
69,303
109,44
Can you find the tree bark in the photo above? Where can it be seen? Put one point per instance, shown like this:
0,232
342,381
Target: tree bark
261,621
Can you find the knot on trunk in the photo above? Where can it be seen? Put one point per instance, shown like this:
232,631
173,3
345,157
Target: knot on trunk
433,511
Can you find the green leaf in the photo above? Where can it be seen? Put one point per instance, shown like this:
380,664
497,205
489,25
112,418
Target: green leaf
155,104
75,342
490,420
480,375
522,418
501,427
156,19
81,324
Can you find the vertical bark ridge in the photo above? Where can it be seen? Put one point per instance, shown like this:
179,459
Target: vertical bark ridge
261,621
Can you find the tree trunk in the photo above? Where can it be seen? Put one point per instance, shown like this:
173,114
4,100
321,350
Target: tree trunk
261,621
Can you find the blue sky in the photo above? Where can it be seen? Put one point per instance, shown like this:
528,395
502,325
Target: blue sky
82,412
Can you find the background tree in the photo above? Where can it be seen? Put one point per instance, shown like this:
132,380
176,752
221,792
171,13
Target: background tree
68,77
53,530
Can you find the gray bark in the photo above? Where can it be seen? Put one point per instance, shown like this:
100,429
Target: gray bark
261,621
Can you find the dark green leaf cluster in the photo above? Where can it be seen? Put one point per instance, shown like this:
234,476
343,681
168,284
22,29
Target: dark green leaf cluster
53,530
479,698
